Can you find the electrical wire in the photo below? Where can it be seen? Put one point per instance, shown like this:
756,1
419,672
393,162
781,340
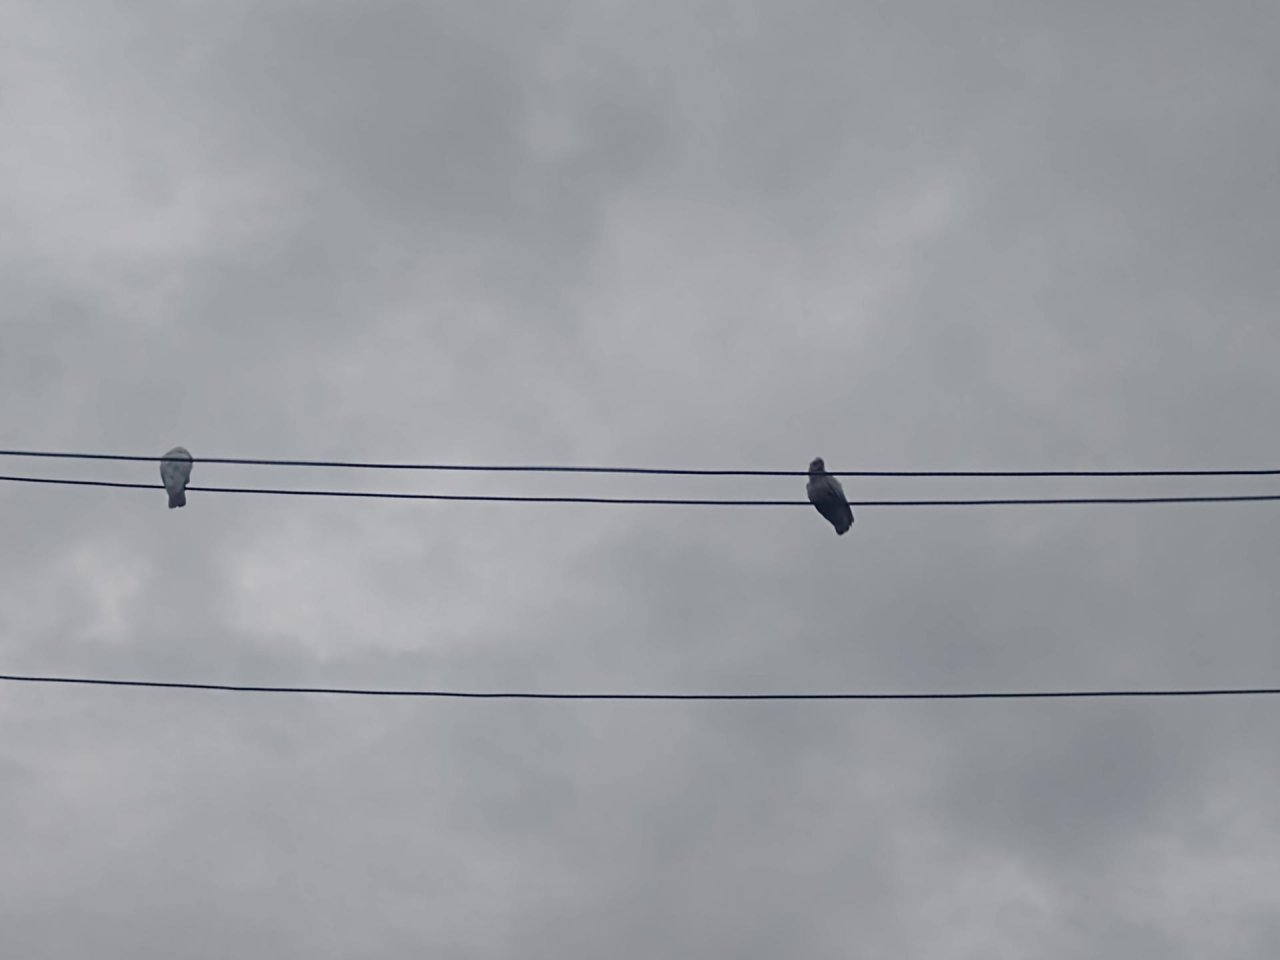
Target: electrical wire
531,695
655,501
650,471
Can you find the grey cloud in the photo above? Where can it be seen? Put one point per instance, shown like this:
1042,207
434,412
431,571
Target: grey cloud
700,234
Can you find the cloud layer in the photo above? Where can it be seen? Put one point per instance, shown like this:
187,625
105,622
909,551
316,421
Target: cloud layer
695,234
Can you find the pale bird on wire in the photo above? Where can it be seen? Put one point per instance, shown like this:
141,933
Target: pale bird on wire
175,474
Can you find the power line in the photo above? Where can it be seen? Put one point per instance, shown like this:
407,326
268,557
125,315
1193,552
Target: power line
532,695
656,501
650,471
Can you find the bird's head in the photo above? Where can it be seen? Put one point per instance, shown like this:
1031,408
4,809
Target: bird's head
816,466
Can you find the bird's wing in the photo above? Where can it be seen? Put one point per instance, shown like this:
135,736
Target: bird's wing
827,498
175,472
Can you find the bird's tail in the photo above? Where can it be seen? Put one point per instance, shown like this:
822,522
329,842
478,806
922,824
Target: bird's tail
177,498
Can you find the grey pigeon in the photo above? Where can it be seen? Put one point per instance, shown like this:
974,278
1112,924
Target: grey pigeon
827,495
175,474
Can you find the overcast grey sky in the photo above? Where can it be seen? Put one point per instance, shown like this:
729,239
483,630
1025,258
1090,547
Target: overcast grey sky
721,234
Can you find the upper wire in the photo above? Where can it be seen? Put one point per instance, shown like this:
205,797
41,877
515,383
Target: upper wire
649,471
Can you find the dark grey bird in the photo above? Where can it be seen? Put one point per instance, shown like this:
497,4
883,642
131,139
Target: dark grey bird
175,474
827,495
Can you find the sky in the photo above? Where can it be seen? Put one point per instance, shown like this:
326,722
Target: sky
920,236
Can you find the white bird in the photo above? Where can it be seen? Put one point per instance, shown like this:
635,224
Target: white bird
827,495
175,474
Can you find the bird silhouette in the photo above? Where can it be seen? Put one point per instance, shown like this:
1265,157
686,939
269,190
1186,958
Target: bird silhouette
175,474
827,495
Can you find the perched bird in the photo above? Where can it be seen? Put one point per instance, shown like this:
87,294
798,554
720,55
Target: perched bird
175,474
827,495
